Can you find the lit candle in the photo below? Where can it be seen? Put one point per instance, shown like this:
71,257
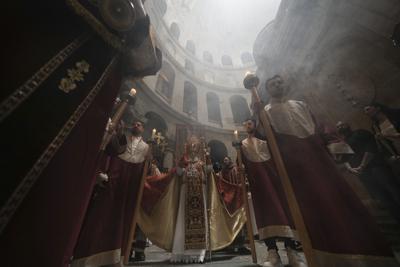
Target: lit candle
132,92
235,133
153,134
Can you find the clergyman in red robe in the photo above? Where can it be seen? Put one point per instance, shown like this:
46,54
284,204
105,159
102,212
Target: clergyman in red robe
103,238
341,230
271,209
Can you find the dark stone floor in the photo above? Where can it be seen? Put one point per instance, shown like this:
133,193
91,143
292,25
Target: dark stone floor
158,257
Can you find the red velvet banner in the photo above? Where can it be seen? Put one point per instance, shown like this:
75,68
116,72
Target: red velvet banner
45,228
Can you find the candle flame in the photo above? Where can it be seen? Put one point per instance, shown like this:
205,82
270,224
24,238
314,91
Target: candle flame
248,73
132,92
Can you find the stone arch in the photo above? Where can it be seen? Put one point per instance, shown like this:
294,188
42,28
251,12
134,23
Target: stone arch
213,108
218,151
240,108
154,121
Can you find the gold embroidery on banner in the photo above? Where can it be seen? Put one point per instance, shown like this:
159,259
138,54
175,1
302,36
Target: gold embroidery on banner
74,75
25,90
8,210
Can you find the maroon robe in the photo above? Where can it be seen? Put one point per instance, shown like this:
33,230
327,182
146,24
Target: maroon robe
109,217
230,189
341,230
335,218
269,201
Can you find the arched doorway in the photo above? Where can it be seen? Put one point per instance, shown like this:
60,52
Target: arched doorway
218,151
154,121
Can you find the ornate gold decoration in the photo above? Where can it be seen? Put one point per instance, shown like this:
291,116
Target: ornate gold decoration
25,90
195,220
223,227
74,75
8,210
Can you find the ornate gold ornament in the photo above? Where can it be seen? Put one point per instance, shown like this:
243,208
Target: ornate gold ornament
29,87
74,75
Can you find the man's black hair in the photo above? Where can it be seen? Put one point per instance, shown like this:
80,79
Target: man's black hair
251,119
270,79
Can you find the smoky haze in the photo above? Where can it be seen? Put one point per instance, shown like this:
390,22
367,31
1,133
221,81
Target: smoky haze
222,27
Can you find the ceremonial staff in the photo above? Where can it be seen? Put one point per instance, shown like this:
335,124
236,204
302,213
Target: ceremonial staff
128,100
237,144
133,224
206,160
251,82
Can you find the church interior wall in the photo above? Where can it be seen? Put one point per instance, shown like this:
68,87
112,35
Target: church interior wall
146,102
343,61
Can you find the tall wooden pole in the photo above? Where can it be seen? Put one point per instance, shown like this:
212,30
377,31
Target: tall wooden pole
206,161
249,225
251,82
133,224
117,117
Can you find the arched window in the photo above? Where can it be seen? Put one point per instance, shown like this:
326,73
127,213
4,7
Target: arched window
189,66
207,57
218,151
247,58
226,60
191,47
240,108
175,31
166,80
214,112
190,99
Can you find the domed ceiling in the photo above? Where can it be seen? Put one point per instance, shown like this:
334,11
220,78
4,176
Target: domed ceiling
221,27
